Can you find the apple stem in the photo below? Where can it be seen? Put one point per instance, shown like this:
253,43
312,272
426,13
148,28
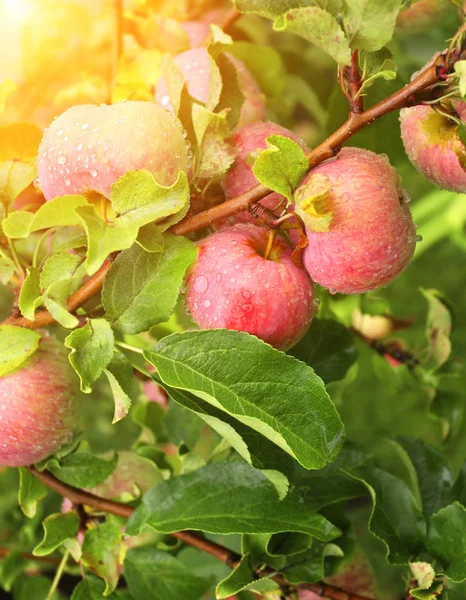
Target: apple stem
230,558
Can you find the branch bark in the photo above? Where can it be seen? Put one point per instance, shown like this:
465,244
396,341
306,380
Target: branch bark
78,496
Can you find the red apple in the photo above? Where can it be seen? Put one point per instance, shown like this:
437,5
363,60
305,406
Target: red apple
195,65
240,177
89,147
433,145
233,286
371,236
38,406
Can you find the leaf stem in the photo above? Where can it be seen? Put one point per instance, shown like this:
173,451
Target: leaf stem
19,269
129,347
58,575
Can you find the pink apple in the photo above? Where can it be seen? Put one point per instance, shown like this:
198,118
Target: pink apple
233,286
89,147
434,146
197,32
240,177
195,65
371,236
38,406
420,15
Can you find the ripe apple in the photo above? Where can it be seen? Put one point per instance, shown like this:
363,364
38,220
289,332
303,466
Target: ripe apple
38,406
89,147
240,177
433,145
195,65
371,236
233,286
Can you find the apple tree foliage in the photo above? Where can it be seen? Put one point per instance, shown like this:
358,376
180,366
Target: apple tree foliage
341,460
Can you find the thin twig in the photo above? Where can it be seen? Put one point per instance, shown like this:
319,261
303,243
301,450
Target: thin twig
78,496
229,19
4,552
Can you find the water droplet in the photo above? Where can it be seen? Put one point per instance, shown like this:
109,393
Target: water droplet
61,160
247,307
85,126
218,278
200,284
60,132
419,238
316,302
332,291
36,183
244,319
93,173
79,147
233,243
67,182
232,280
246,294
207,303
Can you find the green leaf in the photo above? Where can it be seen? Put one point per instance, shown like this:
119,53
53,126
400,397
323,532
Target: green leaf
435,476
11,568
438,329
447,541
150,238
17,344
319,27
60,529
424,574
460,70
328,347
103,238
141,288
289,406
265,64
57,212
157,575
309,567
281,166
82,469
231,98
93,588
7,269
139,199
376,65
369,24
31,490
36,587
120,376
267,8
243,577
396,518
313,203
101,552
202,500
216,149
30,296
91,351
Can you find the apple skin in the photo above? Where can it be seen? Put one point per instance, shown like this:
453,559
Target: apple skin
89,147
195,65
38,406
240,177
371,237
434,147
232,286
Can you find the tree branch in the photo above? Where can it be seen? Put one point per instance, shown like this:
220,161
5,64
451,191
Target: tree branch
78,496
4,552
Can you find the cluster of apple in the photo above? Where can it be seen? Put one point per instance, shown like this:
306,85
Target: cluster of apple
238,281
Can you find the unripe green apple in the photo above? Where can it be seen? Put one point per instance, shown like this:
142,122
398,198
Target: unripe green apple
360,231
89,147
38,406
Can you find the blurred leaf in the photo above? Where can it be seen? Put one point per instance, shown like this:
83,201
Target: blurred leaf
7,269
19,143
184,503
6,89
120,376
155,574
93,588
91,351
102,553
17,344
265,64
319,27
447,542
200,362
37,587
31,490
281,166
328,347
396,518
369,24
83,470
56,212
60,529
141,288
438,329
11,567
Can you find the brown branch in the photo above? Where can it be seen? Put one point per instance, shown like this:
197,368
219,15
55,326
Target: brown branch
43,318
352,85
4,552
228,20
78,496
409,95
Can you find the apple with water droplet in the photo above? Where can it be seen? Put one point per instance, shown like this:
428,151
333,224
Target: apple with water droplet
89,147
38,406
360,231
232,285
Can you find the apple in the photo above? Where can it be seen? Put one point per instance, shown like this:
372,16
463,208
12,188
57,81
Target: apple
420,15
38,406
89,147
195,65
233,286
433,145
240,177
371,236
